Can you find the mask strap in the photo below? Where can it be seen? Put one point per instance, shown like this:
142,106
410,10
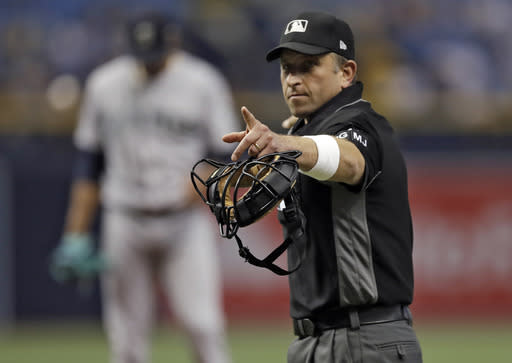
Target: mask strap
267,262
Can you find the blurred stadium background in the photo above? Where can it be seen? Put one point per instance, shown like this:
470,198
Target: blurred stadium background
440,70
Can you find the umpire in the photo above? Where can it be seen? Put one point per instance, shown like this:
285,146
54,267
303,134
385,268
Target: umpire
350,297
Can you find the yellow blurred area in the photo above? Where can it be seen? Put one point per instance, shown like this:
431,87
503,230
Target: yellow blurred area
429,66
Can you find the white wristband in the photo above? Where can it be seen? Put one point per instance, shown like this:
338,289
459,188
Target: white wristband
328,157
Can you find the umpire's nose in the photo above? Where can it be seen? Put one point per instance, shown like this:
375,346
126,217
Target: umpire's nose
292,79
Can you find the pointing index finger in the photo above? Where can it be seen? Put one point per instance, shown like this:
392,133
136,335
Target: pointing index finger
249,118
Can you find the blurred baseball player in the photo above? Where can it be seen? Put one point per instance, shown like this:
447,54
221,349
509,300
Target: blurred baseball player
146,118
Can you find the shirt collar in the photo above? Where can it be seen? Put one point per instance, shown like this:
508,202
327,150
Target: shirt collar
346,96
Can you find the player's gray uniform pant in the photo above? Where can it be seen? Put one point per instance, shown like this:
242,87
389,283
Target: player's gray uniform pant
378,343
180,248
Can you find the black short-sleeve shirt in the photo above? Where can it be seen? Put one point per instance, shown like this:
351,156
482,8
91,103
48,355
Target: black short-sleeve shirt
358,249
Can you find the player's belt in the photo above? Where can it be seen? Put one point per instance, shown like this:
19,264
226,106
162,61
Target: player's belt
350,318
148,212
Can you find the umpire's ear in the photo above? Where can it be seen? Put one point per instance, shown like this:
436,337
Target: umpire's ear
348,73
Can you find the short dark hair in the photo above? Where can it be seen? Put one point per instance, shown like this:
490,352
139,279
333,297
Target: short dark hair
339,62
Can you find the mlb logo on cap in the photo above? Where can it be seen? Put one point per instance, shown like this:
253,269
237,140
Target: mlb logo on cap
316,33
296,26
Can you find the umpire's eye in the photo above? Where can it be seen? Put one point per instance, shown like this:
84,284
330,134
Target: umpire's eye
307,65
300,67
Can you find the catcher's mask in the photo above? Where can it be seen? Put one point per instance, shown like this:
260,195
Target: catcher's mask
242,192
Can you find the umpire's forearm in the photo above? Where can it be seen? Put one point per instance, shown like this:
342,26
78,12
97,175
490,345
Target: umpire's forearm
84,200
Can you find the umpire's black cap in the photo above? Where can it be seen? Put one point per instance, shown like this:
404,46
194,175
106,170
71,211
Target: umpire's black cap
316,33
150,34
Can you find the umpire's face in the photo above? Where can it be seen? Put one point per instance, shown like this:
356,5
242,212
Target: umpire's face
309,81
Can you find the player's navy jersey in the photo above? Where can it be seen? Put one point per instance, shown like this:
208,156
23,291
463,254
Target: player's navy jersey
152,131
359,238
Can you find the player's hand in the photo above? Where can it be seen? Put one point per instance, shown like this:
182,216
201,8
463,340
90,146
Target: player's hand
74,259
257,139
289,122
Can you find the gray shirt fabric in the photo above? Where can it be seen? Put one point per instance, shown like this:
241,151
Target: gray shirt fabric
152,131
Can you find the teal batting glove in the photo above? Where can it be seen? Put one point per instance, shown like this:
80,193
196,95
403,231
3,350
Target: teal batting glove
75,259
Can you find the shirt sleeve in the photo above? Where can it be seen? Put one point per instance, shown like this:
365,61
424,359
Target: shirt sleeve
367,140
88,165
87,132
220,116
